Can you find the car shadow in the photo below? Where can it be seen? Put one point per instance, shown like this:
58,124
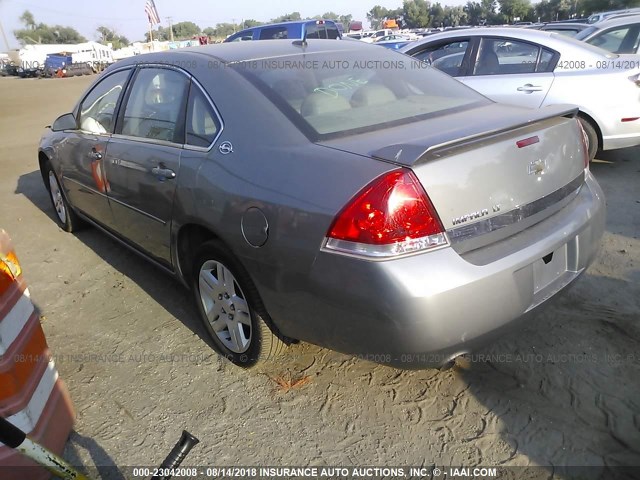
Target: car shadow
102,465
169,292
563,391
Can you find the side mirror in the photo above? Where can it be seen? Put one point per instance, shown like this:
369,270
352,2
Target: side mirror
65,122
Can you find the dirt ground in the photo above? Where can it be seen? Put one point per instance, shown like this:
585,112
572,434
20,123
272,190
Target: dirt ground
565,391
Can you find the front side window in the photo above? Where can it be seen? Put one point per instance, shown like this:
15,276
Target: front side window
202,124
154,109
446,57
98,108
241,38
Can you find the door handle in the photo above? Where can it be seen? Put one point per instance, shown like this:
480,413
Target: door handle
163,172
528,88
95,155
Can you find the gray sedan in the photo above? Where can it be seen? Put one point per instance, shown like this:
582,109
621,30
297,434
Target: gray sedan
329,192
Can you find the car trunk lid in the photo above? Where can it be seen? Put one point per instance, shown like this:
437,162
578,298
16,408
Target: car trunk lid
489,173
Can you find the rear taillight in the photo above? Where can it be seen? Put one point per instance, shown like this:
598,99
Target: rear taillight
585,145
391,216
9,270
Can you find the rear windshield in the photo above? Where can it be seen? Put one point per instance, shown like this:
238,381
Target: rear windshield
345,93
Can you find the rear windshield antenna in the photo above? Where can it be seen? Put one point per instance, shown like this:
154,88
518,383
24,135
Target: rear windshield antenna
303,42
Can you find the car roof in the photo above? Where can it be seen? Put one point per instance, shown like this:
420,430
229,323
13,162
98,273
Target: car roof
248,51
280,24
556,41
290,22
617,21
566,24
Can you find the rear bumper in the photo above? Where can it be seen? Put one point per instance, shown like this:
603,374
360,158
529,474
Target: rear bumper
419,311
619,134
632,139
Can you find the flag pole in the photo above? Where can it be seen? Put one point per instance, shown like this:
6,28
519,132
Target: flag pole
151,36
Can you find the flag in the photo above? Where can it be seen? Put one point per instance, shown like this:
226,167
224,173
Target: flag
152,12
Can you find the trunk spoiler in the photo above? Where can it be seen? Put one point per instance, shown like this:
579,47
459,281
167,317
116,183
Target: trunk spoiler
413,153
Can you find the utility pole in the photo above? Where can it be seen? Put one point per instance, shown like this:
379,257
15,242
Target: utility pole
4,37
170,19
234,24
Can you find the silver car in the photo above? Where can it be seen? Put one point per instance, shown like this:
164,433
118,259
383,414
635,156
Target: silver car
535,69
617,35
330,192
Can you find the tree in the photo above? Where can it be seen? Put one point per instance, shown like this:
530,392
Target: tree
454,16
28,20
289,17
415,13
475,14
36,33
251,23
161,34
108,35
436,12
223,30
376,16
184,30
511,9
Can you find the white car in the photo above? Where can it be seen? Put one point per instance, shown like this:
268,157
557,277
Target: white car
535,69
617,35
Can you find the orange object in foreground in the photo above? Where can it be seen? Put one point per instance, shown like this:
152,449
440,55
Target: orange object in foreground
32,397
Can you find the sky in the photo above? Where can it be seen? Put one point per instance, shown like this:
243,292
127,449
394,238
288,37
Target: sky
127,17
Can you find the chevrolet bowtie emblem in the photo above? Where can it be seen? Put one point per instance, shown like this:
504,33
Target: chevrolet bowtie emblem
538,167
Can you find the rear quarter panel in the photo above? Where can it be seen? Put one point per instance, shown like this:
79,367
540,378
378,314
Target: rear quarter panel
298,186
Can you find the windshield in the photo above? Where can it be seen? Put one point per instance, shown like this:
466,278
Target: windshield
586,33
347,93
592,49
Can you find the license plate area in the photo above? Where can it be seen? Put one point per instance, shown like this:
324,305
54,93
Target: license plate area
549,268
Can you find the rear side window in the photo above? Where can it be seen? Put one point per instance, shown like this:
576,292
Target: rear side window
322,30
315,31
273,33
155,107
98,108
202,124
504,56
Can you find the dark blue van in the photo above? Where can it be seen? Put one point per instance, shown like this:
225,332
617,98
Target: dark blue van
294,30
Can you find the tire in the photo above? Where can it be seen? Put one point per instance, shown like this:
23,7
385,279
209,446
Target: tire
231,310
66,218
592,137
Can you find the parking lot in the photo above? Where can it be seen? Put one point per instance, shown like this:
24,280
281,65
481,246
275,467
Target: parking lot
562,392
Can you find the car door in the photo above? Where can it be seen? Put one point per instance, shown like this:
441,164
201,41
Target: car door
511,71
83,151
143,160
